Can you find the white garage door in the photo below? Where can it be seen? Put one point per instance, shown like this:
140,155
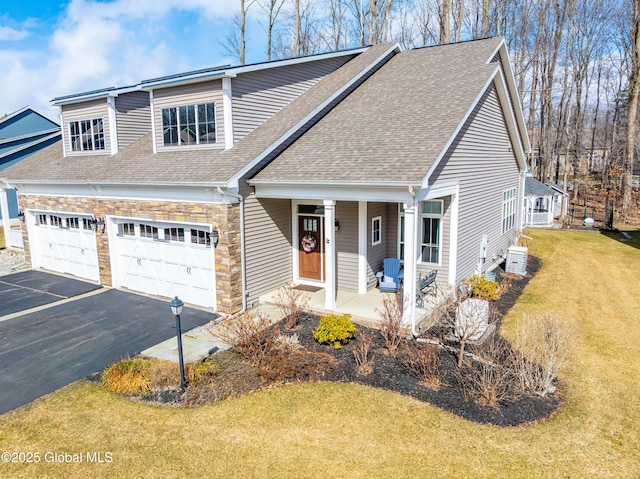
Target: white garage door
64,242
164,259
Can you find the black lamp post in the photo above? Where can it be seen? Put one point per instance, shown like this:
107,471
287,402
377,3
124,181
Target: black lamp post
176,308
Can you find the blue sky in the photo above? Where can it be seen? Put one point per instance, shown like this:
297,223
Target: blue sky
51,48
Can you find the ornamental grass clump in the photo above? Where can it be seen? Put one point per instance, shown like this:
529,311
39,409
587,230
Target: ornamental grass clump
129,376
335,330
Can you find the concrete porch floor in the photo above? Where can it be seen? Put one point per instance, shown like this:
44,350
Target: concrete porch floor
363,308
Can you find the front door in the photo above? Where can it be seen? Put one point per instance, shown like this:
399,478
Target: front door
310,248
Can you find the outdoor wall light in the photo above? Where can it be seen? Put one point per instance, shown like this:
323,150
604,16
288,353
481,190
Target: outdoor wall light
215,236
100,225
337,225
176,308
21,215
93,222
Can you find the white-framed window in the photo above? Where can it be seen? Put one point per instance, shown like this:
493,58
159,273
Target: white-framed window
73,223
431,231
174,234
126,229
148,231
509,198
87,135
200,237
55,221
42,219
189,125
376,230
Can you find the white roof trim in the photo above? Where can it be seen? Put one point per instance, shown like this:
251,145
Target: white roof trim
267,151
30,145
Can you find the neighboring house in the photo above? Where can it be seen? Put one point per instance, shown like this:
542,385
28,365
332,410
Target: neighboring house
221,185
557,200
538,203
22,133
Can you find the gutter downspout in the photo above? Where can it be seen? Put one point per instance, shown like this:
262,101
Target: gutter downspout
242,246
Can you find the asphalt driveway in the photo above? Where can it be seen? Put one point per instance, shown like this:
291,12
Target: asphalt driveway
43,351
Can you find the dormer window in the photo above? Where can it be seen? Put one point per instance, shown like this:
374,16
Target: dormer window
189,125
87,135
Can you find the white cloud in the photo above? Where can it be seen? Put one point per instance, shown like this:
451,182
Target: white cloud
11,34
99,44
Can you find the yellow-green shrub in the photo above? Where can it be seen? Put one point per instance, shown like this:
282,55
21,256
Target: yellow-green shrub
482,288
129,376
335,330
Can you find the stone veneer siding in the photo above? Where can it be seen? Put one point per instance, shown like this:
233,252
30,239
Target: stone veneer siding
226,218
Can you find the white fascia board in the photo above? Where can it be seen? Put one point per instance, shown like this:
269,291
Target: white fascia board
512,123
294,61
508,116
248,167
437,190
186,80
81,98
148,192
28,135
507,71
32,144
371,193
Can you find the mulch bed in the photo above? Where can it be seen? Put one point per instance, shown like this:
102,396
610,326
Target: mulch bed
390,372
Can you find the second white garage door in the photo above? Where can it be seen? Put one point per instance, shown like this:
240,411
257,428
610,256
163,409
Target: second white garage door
164,259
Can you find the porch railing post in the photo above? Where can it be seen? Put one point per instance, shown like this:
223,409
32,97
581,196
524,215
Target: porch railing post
330,254
410,260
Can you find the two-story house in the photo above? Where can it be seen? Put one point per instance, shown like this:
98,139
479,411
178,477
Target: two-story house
221,185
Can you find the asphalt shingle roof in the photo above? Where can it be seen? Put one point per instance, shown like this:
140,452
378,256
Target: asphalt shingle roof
395,125
533,187
137,164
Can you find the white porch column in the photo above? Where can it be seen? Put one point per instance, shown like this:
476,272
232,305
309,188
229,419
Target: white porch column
362,247
4,208
410,260
113,127
330,254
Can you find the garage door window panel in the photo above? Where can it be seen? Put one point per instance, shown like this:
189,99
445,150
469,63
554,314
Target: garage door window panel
55,221
200,237
174,234
148,231
126,229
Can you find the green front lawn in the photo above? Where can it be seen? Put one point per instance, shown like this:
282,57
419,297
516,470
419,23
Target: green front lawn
340,430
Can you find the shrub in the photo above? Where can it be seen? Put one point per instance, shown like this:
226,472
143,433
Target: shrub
335,330
361,353
482,288
287,343
251,334
279,365
233,377
487,380
129,376
164,374
422,359
543,345
291,302
391,321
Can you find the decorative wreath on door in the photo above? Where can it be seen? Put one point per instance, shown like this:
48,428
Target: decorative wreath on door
309,243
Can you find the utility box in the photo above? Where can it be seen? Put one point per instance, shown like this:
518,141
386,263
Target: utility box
517,260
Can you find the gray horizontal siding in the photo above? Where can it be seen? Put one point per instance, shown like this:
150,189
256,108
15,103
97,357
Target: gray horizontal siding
185,95
267,244
483,162
257,96
86,111
391,230
347,246
376,254
133,117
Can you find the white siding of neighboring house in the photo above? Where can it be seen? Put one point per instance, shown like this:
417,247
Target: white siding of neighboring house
483,162
185,95
257,96
133,117
86,111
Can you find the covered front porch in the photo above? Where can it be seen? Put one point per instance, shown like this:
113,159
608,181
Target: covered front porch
364,308
338,245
